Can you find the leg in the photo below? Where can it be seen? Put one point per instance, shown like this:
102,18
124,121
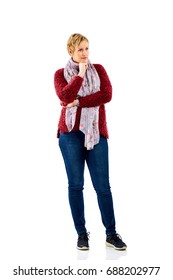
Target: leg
73,152
97,161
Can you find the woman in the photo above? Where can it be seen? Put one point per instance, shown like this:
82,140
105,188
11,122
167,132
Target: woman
83,88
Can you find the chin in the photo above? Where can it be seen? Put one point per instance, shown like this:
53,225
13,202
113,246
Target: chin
84,60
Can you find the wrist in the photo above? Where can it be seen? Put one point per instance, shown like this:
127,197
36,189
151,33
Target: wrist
77,102
81,74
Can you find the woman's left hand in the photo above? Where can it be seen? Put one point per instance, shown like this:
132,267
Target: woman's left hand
69,105
72,104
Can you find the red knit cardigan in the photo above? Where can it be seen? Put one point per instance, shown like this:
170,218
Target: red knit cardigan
67,93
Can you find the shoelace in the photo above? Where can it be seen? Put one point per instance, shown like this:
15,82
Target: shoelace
84,236
116,236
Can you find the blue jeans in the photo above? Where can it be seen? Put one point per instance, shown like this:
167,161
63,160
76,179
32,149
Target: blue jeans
75,155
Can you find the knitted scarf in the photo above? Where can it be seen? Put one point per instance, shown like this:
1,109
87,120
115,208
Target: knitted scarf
89,120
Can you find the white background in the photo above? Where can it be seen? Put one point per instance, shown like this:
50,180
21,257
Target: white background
133,41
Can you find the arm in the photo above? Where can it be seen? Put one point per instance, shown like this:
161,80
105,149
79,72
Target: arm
67,93
101,97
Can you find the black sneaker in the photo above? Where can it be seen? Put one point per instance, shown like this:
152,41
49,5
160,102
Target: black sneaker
115,241
82,243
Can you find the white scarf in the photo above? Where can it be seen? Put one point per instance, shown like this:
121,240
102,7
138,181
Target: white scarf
89,120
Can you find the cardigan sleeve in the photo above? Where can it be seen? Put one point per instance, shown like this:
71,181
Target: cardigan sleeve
100,97
67,92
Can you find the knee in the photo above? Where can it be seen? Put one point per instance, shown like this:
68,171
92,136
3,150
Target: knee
74,187
104,191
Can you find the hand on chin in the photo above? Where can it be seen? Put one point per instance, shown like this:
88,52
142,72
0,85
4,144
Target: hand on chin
84,60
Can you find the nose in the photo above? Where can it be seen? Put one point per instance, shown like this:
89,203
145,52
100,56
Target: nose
85,52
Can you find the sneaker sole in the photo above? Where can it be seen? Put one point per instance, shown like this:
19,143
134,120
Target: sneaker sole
116,248
83,248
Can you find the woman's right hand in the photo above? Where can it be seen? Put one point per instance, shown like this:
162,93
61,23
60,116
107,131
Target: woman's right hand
82,69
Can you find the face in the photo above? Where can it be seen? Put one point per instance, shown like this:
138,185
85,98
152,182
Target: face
81,52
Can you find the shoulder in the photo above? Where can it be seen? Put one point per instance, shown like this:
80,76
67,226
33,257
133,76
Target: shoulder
59,72
99,66
100,69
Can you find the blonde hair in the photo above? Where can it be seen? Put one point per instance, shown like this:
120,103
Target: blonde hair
74,41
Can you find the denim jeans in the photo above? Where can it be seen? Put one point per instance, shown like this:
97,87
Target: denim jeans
75,155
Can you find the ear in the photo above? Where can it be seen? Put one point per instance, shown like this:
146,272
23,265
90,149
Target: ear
70,52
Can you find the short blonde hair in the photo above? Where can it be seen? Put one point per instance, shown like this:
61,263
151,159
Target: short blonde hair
74,41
